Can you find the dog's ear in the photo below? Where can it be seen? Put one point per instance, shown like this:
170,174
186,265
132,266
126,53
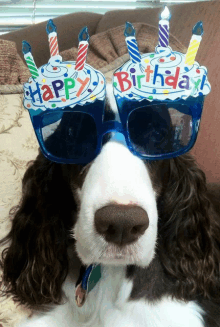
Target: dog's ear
35,264
189,229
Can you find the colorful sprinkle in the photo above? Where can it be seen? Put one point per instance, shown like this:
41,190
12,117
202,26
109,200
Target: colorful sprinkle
27,93
132,70
88,71
161,60
68,65
89,90
150,97
186,69
54,68
130,95
146,61
168,72
65,75
172,58
28,105
115,84
102,82
57,60
154,91
64,100
198,71
53,105
92,97
95,83
44,80
42,70
165,92
200,93
152,56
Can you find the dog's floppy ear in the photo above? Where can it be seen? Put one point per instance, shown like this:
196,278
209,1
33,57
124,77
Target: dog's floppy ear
35,264
189,229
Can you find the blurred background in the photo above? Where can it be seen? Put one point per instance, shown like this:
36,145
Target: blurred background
16,14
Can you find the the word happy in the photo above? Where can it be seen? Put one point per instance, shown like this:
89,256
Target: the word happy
126,80
46,92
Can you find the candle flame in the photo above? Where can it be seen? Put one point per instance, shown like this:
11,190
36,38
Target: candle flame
83,34
51,27
26,47
129,30
198,28
165,14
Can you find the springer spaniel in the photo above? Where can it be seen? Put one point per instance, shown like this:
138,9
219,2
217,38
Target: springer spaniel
154,227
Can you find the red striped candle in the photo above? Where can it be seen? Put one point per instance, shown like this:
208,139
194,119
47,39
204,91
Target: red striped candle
82,49
52,37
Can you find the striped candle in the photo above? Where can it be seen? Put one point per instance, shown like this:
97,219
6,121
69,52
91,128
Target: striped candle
52,37
26,49
164,28
131,42
82,49
194,43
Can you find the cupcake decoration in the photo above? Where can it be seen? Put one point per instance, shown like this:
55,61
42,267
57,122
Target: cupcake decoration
167,74
61,84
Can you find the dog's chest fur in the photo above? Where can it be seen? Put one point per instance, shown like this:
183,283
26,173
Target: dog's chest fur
108,305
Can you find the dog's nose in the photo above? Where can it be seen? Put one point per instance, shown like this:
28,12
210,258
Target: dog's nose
121,224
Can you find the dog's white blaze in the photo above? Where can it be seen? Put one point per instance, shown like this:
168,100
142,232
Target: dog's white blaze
118,176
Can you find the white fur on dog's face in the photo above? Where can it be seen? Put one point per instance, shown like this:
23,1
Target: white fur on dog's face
115,176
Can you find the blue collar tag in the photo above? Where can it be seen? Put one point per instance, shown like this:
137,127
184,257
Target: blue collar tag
86,282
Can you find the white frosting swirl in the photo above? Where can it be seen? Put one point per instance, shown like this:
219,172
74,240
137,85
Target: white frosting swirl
168,77
59,85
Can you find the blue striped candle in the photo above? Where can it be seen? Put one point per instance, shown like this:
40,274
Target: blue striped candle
131,42
164,28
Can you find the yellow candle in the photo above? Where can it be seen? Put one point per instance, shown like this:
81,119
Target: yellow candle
194,44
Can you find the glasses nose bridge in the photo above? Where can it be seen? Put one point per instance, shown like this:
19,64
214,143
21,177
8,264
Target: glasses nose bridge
112,126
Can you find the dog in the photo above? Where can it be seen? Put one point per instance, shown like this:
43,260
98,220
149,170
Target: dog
153,226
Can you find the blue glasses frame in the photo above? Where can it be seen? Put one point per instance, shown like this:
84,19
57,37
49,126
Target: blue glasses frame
193,107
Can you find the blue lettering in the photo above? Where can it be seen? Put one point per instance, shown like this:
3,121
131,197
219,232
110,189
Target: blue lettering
156,75
32,94
203,82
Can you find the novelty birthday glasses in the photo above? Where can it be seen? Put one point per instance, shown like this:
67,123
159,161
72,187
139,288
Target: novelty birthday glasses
159,97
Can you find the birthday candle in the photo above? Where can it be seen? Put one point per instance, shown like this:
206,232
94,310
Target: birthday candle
131,42
194,43
83,48
52,37
26,49
164,28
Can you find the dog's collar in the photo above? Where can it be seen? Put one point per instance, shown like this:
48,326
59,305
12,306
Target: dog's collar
88,278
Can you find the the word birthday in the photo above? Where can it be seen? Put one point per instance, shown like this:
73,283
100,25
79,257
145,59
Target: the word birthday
126,80
46,92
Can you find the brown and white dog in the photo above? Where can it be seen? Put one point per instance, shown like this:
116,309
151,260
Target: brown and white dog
154,226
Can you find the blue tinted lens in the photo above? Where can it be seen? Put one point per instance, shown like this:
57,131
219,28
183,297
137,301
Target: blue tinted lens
69,135
159,129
